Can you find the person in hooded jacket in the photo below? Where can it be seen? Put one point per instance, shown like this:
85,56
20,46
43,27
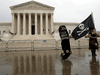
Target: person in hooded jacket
93,42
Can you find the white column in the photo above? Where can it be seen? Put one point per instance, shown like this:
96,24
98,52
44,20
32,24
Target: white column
51,22
35,23
24,24
18,23
41,23
46,23
13,23
30,24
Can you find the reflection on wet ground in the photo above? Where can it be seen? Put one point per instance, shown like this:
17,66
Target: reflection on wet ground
49,63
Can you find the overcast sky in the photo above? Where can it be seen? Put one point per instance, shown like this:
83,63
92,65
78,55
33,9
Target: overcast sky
65,10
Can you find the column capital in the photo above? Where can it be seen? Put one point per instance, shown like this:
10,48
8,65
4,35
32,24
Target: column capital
41,13
18,13
35,13
52,13
46,13
29,13
12,13
24,13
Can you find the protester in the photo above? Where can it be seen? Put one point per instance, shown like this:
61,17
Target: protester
93,43
64,42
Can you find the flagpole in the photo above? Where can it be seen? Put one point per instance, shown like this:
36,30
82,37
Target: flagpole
92,17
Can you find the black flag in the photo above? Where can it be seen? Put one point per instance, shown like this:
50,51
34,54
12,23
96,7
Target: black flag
83,28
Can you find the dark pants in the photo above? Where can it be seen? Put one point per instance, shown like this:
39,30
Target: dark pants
93,51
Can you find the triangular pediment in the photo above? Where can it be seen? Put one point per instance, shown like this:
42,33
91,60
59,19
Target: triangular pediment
31,5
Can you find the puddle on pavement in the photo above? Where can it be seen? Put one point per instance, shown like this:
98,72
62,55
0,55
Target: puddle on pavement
49,63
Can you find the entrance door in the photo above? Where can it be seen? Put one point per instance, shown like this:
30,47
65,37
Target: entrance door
33,30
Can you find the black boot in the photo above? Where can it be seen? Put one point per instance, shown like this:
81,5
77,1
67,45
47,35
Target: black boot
92,51
95,53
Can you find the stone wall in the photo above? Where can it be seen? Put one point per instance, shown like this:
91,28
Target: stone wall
42,44
4,27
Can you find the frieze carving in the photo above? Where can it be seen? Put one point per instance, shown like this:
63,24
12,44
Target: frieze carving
31,5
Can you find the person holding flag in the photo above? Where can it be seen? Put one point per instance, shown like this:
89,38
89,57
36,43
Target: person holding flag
85,27
93,43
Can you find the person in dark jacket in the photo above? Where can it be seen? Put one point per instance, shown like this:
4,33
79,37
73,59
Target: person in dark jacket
93,43
64,42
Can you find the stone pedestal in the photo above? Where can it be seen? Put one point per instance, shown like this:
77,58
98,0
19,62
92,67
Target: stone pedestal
6,36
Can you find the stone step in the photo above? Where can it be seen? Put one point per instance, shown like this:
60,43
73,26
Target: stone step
31,37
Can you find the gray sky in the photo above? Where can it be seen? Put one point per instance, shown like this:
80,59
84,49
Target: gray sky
65,10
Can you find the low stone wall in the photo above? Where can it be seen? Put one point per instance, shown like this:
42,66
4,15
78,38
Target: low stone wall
44,44
83,43
41,44
19,45
2,45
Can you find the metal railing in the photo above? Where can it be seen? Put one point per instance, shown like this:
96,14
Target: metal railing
49,44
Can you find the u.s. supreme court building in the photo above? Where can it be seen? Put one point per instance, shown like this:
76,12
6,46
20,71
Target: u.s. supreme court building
31,21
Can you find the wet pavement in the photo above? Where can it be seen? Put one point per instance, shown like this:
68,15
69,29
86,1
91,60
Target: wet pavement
49,63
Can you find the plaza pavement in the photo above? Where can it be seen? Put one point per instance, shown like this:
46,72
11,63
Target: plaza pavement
49,63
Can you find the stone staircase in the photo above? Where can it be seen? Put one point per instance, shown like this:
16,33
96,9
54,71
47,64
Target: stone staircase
31,37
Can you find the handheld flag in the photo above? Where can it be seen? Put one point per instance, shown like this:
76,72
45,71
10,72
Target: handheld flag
83,28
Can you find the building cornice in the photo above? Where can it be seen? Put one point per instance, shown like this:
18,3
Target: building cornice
65,23
5,23
31,5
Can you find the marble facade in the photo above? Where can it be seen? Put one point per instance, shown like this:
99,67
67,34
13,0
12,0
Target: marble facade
33,20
